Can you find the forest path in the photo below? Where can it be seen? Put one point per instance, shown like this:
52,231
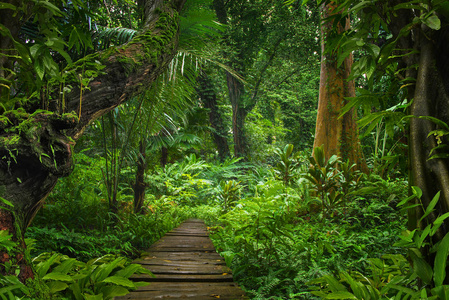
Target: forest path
186,266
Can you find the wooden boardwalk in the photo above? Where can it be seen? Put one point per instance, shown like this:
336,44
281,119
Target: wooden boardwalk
186,266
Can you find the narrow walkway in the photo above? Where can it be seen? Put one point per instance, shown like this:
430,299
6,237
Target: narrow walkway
186,266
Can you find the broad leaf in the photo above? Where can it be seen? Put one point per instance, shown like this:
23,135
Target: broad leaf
431,206
4,5
433,22
441,261
56,286
117,280
110,292
57,276
94,297
420,266
341,295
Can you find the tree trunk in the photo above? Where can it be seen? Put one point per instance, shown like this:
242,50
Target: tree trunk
428,63
431,98
236,91
140,185
338,135
36,149
164,156
239,113
209,99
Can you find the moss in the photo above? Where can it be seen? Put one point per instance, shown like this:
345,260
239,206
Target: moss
41,112
28,127
9,141
70,117
16,115
153,44
4,122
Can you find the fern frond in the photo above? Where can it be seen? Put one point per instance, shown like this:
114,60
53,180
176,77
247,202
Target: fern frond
104,37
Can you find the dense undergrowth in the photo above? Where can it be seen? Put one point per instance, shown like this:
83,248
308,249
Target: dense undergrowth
278,227
301,229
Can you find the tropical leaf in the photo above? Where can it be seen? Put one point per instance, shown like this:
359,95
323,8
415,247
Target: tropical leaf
104,37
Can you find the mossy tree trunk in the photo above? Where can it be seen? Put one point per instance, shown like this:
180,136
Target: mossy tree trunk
338,135
36,146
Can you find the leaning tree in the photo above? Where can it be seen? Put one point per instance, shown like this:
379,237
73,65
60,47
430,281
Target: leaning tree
40,125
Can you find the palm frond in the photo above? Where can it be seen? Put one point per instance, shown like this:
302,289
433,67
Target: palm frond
104,37
187,139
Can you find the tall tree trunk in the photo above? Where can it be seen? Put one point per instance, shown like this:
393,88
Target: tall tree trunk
235,90
239,113
164,156
140,185
37,148
431,98
424,54
338,135
209,99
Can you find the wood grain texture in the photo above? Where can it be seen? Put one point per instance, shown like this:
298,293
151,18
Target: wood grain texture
186,266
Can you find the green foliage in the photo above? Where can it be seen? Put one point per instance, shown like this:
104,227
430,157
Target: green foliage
276,244
80,245
229,194
332,180
78,201
287,165
268,235
394,276
105,277
12,288
263,136
388,273
107,37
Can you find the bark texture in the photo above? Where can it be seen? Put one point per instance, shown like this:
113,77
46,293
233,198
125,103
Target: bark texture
236,92
239,113
140,185
209,99
422,53
431,98
338,135
36,146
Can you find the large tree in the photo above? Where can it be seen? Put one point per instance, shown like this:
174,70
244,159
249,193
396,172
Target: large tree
36,144
409,40
338,135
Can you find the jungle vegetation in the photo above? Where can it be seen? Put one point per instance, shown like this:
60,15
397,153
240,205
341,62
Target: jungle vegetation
311,136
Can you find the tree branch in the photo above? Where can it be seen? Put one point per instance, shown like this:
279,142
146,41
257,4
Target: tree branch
128,69
264,69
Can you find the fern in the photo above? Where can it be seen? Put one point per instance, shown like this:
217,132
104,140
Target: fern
104,37
269,284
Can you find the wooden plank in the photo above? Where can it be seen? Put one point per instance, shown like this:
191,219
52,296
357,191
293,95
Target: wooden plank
182,255
195,269
169,286
163,290
185,265
184,278
180,262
